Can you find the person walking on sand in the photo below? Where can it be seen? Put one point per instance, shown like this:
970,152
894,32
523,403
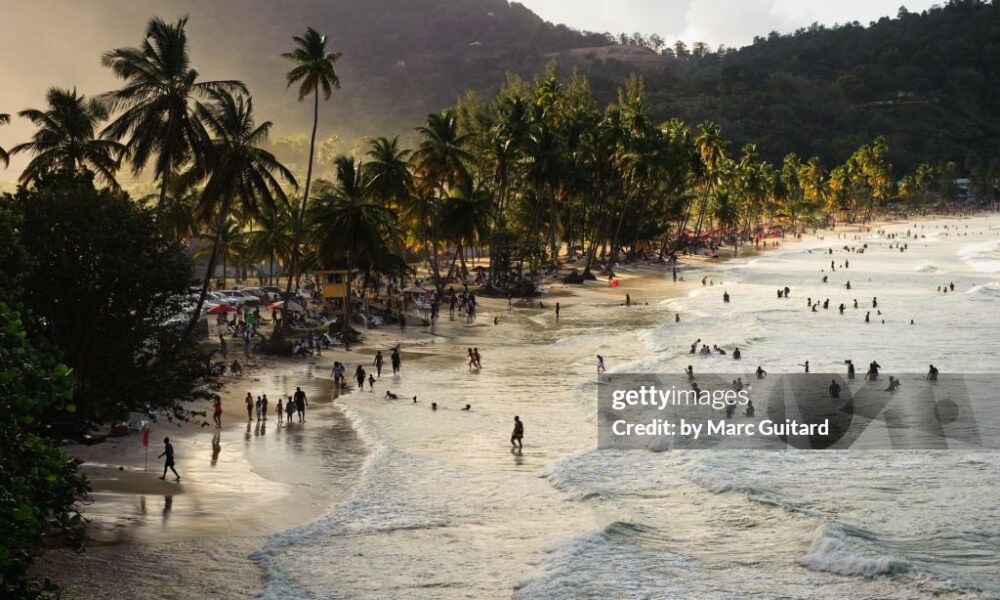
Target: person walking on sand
557,311
217,412
300,404
168,463
371,383
516,437
249,407
600,364
378,363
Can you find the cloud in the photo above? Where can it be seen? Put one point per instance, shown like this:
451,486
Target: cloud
732,22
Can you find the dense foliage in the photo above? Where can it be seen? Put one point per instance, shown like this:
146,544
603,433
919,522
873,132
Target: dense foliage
100,288
929,82
39,484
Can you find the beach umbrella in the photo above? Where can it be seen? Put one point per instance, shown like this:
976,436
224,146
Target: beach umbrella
415,289
292,306
221,308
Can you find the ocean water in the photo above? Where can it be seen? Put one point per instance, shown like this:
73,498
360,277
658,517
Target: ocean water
444,509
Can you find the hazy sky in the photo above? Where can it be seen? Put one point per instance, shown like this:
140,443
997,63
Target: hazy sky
729,22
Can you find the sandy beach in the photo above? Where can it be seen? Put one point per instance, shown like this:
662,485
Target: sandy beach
438,505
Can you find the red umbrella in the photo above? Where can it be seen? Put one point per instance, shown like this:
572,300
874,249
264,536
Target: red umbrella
221,308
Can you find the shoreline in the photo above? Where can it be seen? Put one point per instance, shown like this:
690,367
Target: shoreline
308,501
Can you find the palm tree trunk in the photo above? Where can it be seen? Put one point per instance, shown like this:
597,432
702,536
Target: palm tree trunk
300,218
209,272
438,284
552,231
454,261
347,301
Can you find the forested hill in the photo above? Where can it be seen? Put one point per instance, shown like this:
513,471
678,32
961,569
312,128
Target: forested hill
928,81
401,58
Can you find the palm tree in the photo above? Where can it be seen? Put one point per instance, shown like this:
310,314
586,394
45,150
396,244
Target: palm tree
159,101
175,214
232,243
273,241
349,227
4,157
442,162
313,72
543,168
711,150
66,138
388,173
238,173
465,218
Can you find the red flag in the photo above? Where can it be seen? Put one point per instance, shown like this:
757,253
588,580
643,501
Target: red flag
145,438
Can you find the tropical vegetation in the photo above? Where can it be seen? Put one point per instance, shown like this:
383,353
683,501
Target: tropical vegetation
540,177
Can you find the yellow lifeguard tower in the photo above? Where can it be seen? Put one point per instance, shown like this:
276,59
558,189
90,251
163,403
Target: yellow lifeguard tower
333,286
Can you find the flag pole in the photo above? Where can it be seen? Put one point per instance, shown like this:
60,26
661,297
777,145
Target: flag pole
145,444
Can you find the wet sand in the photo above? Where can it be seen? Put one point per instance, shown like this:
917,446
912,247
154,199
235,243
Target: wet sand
158,539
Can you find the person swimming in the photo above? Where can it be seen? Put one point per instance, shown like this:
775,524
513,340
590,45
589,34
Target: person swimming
468,407
736,354
690,372
761,373
834,389
750,409
725,297
932,373
434,405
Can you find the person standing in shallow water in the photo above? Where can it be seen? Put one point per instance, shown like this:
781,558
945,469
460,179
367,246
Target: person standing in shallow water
518,435
301,403
378,363
168,463
396,360
217,412
250,407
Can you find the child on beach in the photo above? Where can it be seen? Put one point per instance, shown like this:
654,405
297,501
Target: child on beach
168,463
